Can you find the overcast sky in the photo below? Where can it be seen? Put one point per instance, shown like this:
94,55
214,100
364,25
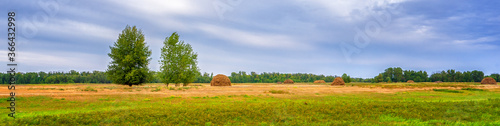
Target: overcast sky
330,37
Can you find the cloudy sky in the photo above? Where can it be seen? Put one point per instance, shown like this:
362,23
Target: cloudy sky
330,37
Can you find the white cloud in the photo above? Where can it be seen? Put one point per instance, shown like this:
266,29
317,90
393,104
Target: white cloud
160,7
77,30
475,41
266,40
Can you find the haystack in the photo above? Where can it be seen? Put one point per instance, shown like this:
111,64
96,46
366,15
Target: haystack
278,82
438,82
319,81
338,81
220,80
410,81
288,81
488,80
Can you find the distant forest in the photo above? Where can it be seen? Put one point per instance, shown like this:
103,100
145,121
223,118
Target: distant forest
389,75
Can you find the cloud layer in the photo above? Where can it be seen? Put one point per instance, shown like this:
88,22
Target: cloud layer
267,36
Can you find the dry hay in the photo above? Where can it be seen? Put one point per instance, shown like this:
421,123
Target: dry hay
220,80
288,81
338,81
438,82
278,82
488,80
410,81
319,81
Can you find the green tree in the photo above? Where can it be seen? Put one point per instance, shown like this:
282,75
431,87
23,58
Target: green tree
477,76
388,80
379,78
346,78
178,62
129,58
398,74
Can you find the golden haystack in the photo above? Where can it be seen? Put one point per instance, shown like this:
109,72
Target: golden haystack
220,80
410,81
319,81
488,80
288,81
338,81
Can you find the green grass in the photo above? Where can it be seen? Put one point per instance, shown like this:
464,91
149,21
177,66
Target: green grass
443,107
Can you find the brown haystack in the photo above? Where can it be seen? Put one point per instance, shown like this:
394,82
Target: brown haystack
319,81
410,81
220,80
338,81
438,82
278,82
288,81
488,80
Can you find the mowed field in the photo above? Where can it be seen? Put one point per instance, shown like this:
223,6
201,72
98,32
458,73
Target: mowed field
255,104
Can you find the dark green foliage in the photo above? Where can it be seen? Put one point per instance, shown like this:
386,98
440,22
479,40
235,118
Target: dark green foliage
448,90
398,75
346,78
178,62
130,58
57,77
457,76
253,77
472,89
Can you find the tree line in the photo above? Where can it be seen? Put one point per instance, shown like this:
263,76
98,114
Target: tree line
389,75
101,77
56,77
397,74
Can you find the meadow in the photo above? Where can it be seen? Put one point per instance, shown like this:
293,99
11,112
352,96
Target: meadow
256,104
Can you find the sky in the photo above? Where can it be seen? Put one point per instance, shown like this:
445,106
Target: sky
329,37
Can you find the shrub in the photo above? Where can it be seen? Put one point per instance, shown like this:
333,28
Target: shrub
447,90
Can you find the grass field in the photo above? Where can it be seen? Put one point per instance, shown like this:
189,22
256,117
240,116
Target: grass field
256,104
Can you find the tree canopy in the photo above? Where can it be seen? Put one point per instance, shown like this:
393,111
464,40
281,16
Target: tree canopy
130,58
178,62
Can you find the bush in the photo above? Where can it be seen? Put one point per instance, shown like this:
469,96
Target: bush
473,89
447,90
90,89
278,92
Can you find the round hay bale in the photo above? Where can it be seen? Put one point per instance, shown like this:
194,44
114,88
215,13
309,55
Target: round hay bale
338,81
410,81
488,80
220,80
278,82
319,81
288,81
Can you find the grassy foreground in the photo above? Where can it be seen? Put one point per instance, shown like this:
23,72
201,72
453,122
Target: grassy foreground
430,107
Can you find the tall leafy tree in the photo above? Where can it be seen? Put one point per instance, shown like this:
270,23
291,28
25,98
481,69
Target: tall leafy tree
129,58
178,62
346,78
